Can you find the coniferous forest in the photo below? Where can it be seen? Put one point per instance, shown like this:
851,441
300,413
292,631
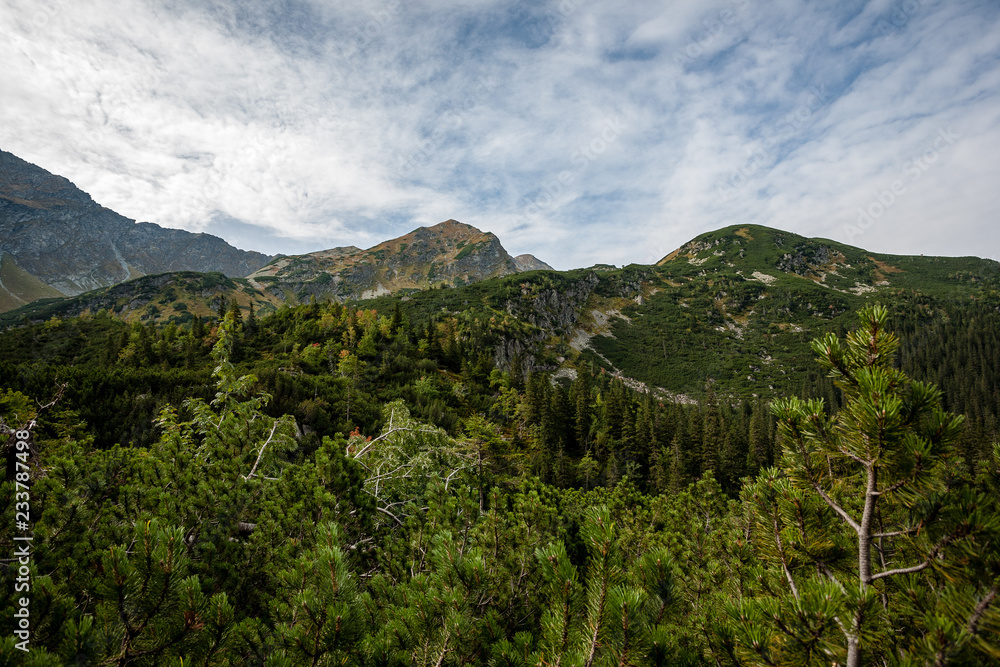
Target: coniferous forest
333,485
274,392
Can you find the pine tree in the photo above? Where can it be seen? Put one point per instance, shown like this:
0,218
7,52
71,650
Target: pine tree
712,437
251,325
197,328
659,470
319,613
149,608
237,313
677,479
692,444
582,410
863,515
732,459
758,455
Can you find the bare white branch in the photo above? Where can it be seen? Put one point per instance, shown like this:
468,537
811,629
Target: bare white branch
262,448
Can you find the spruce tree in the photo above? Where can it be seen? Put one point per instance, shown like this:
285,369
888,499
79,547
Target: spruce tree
582,410
711,444
758,455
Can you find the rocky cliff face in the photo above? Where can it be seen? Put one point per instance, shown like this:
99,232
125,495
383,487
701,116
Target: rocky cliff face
53,234
450,253
531,263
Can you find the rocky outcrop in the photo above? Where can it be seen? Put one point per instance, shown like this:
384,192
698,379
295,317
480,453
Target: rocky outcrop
552,309
56,233
531,263
450,253
807,259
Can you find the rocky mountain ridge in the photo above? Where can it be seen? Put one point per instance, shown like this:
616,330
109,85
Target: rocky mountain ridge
448,254
734,308
55,240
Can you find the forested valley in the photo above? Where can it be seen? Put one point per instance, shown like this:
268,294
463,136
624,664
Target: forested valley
333,484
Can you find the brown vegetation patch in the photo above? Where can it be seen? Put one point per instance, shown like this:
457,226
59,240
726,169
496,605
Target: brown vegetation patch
883,270
672,255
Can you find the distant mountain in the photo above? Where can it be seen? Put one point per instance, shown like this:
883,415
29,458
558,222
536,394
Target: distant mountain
56,241
782,259
163,297
448,254
734,309
531,263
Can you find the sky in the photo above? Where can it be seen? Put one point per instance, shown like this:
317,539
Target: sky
581,131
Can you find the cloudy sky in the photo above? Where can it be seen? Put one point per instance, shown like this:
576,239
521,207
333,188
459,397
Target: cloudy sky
582,131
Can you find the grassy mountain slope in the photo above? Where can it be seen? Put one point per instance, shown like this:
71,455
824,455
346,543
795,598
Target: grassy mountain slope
735,308
739,306
167,297
18,287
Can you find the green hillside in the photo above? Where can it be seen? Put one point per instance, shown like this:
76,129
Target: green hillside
734,309
328,483
18,287
161,298
737,307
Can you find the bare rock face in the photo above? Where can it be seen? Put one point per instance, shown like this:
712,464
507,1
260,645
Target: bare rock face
449,254
57,241
531,263
53,233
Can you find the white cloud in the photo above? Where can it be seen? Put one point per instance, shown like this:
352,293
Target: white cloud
335,123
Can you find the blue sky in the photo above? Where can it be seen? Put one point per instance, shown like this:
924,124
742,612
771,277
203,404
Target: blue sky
578,130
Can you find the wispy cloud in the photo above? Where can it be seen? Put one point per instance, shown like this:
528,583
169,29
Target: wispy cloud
578,130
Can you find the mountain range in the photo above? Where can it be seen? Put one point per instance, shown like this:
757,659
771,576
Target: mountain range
448,254
736,307
56,241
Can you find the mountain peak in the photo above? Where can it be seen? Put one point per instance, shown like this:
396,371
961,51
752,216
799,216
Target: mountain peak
528,262
57,240
29,185
450,253
452,224
452,229
768,255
